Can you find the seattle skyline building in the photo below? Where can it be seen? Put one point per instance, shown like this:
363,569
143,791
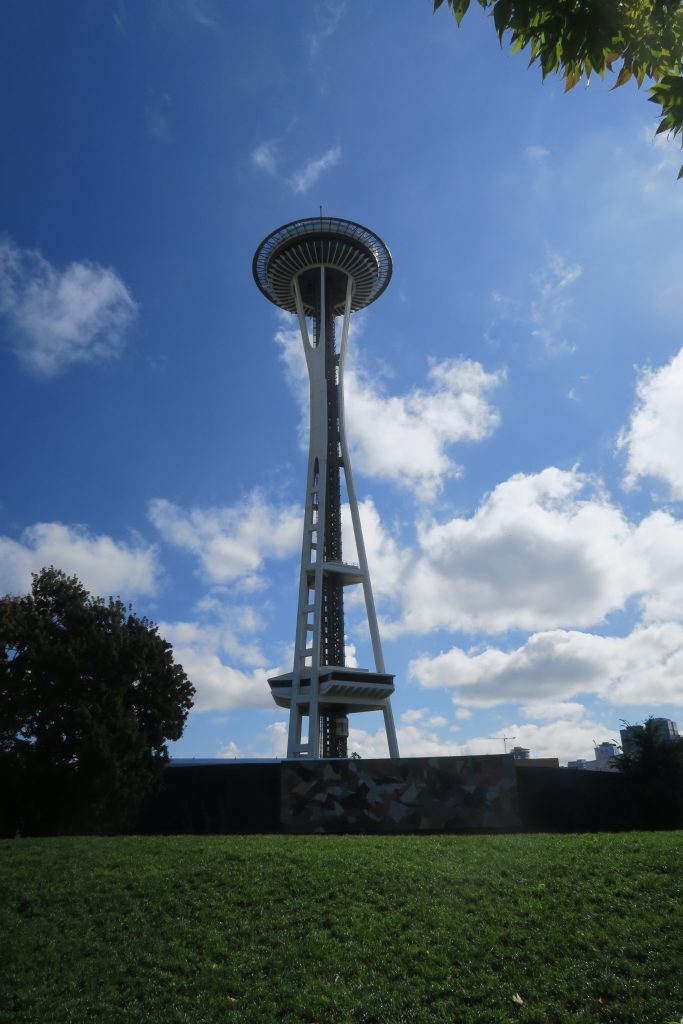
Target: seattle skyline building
322,269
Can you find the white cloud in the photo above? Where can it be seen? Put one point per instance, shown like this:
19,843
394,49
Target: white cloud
536,552
550,308
556,665
225,637
653,440
415,739
659,542
219,686
104,566
405,438
546,709
566,738
387,561
663,159
546,311
231,542
306,176
327,15
272,742
536,154
230,750
58,318
413,715
264,157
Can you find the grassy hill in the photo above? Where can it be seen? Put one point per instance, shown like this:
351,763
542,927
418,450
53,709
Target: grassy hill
528,928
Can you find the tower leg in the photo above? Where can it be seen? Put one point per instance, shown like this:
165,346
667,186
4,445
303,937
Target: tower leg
390,729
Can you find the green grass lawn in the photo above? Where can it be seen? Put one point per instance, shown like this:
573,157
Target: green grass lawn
334,929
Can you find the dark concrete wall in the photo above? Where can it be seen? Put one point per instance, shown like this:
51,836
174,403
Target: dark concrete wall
409,795
214,799
572,800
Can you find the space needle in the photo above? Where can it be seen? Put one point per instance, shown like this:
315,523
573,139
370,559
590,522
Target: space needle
323,269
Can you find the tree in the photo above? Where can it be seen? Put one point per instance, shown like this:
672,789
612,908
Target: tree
89,695
653,767
574,38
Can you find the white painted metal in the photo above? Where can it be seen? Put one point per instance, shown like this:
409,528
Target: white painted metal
308,634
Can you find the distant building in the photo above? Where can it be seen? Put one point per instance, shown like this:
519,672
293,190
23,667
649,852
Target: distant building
520,753
523,759
664,728
605,753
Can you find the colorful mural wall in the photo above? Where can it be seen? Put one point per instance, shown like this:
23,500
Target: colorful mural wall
408,795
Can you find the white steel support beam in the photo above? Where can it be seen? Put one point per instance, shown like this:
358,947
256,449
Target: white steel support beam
326,268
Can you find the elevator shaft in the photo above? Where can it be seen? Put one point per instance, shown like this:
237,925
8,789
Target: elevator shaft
332,627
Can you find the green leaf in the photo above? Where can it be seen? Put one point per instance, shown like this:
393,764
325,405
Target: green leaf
437,4
461,10
571,79
623,77
501,16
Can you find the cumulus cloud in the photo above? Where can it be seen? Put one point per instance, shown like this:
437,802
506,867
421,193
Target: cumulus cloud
60,317
547,709
232,637
542,549
271,742
306,176
231,542
406,438
202,649
565,738
652,440
415,739
659,543
104,566
387,560
556,665
569,738
221,687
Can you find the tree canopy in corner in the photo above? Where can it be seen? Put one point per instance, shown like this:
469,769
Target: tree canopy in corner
632,39
89,697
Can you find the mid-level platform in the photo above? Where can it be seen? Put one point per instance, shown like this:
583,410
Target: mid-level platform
356,688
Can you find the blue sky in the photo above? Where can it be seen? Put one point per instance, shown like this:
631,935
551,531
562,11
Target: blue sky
513,399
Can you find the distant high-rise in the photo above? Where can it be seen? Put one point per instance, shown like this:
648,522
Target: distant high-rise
663,728
322,268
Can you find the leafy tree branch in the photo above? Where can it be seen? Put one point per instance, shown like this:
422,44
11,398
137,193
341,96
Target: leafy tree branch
632,39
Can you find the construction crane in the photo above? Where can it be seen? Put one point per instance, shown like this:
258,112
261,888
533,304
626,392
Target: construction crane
503,738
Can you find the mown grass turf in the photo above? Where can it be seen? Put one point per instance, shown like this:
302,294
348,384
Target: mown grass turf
336,929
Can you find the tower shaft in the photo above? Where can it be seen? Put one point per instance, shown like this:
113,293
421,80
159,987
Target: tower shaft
321,270
333,596
332,640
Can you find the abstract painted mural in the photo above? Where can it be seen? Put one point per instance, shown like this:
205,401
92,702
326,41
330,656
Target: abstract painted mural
449,794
